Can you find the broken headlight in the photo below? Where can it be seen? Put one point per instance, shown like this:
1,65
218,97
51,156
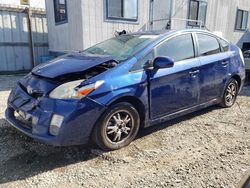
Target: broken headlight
71,90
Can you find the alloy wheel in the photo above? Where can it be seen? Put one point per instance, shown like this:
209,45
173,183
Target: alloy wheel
119,126
231,94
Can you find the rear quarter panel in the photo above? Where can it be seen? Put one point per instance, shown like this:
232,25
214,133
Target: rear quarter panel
237,66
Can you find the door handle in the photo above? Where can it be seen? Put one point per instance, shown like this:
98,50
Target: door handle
194,72
224,63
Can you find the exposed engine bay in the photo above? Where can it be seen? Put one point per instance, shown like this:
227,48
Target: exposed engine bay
87,74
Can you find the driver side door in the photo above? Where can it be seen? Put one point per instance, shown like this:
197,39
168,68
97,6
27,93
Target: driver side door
176,88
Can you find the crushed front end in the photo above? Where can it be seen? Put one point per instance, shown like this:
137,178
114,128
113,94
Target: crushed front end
54,121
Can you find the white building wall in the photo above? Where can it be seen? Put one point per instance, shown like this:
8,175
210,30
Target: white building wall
87,24
67,36
96,28
221,17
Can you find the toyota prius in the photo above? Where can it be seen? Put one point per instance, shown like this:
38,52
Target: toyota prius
106,93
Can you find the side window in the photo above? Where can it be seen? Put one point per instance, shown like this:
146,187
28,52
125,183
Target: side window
224,45
178,48
139,65
208,45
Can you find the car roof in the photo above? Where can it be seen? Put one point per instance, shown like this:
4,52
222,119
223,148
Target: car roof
165,33
160,32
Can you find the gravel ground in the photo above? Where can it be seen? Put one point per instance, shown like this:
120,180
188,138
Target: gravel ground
209,148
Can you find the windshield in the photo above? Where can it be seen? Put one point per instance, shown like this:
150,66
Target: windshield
121,47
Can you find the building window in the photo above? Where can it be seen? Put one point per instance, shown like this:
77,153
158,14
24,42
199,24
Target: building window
60,8
241,20
122,10
197,11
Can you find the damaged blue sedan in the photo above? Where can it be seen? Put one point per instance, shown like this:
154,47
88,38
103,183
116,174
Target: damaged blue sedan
106,93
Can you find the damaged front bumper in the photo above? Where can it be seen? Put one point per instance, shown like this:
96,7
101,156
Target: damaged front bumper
35,116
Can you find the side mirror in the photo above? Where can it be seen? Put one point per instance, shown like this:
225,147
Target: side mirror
163,62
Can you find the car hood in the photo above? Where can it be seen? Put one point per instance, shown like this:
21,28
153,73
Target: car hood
68,64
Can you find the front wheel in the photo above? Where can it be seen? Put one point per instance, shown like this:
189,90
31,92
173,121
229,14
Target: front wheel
230,93
117,127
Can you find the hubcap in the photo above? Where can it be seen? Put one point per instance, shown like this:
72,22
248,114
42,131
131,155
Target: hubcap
231,93
119,126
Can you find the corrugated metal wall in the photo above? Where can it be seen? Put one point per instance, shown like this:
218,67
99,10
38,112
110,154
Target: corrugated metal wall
14,39
40,35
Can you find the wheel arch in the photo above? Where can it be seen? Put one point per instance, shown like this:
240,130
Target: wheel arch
137,103
238,79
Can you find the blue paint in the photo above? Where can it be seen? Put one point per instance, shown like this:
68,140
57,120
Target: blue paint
164,93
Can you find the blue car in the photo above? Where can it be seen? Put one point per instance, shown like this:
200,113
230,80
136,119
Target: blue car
106,93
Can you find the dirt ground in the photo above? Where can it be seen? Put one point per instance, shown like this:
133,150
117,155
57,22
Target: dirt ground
209,148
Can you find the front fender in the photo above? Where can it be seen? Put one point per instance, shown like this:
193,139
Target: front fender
139,92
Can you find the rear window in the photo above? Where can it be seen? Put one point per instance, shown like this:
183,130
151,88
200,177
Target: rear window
208,45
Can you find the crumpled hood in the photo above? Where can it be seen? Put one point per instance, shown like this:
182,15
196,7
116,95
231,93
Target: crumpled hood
68,64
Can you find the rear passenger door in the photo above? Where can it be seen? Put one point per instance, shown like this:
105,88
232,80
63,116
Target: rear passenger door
213,67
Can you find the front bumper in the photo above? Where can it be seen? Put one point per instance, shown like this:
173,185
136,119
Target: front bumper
80,117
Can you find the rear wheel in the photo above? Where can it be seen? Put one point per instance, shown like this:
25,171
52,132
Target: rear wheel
230,94
117,127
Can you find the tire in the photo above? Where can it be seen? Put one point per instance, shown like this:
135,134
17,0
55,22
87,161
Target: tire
230,94
117,127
